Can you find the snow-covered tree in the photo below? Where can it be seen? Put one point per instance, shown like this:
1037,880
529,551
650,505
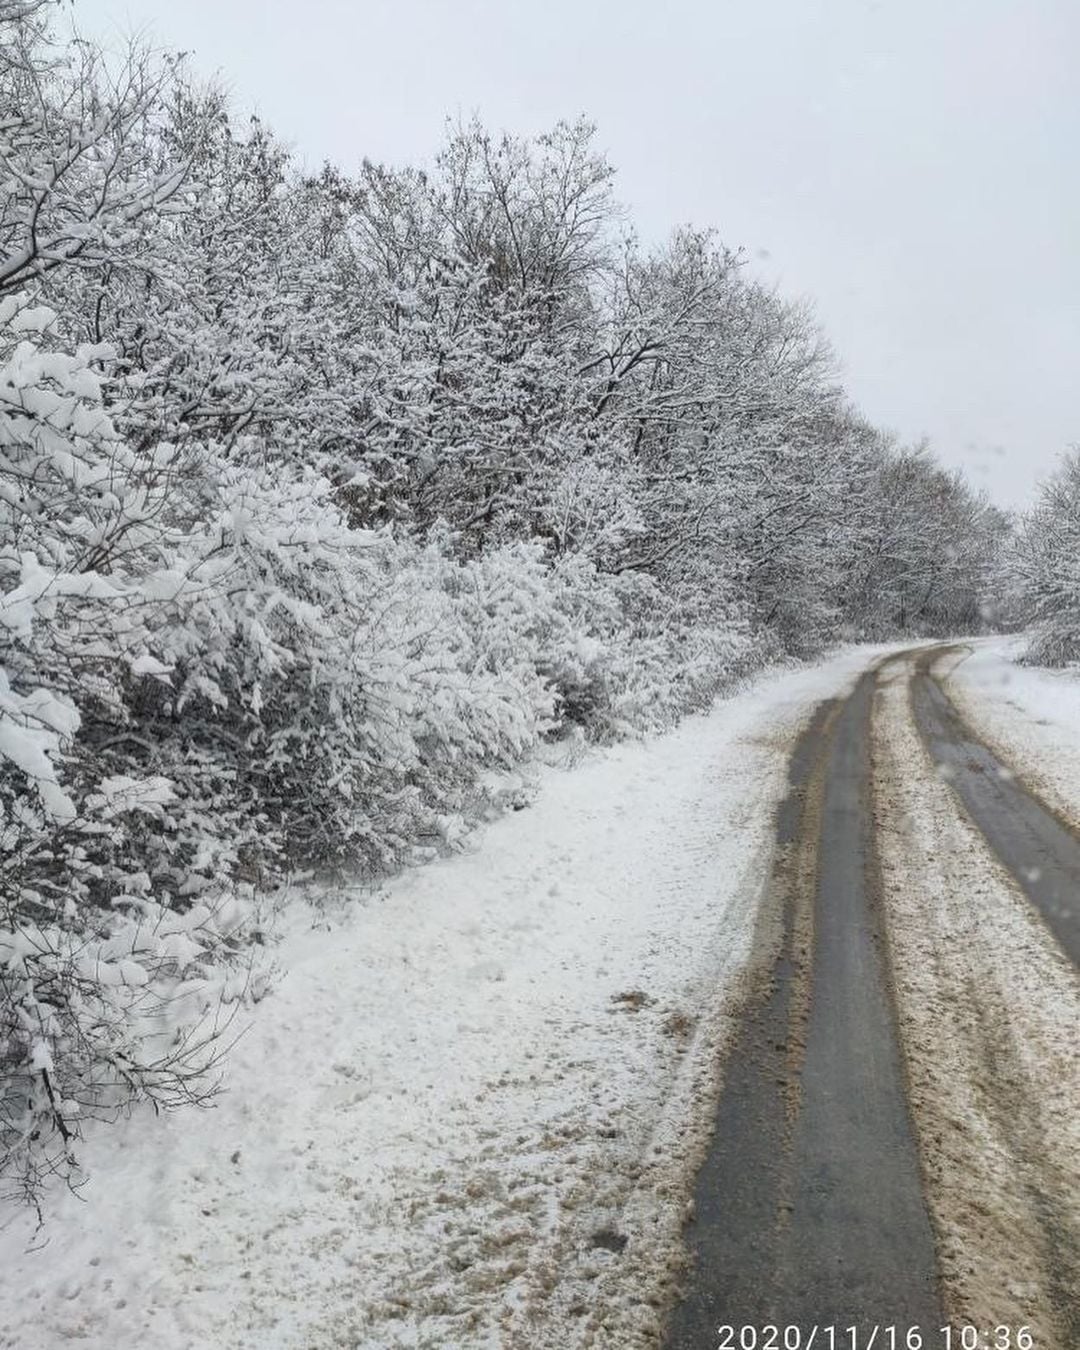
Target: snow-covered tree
1047,556
928,548
82,172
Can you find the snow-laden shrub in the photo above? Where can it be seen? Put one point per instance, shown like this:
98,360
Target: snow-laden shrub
625,657
100,1010
346,685
109,990
209,676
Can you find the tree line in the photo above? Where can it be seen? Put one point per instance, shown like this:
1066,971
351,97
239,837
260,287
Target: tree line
322,496
1040,569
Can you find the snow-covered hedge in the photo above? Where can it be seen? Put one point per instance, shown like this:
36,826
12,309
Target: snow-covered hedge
209,677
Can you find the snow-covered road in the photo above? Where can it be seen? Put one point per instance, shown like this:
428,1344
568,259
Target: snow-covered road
472,1111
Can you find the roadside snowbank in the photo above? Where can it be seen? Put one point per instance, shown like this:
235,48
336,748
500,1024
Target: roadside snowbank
1028,715
474,1097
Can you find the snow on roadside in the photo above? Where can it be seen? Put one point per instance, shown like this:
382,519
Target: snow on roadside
1029,716
472,1098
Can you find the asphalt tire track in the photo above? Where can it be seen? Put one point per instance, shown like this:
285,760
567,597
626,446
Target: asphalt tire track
809,1208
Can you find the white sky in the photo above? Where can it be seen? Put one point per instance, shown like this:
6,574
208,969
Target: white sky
911,165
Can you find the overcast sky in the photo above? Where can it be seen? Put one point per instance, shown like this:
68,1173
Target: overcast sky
911,165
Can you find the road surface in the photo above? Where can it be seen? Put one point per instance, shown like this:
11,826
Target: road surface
896,1141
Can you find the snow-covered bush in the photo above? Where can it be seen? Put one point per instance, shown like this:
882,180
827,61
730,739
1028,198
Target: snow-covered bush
210,676
626,658
105,983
